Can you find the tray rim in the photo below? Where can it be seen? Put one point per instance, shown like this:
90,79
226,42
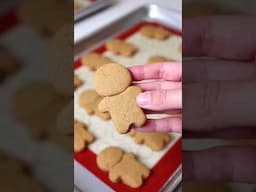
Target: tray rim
145,10
91,8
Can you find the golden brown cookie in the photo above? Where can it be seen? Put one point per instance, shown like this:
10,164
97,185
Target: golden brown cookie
155,141
77,81
122,167
109,157
156,59
77,5
36,105
16,176
82,137
124,110
154,32
63,131
111,79
89,100
33,14
119,47
94,61
8,63
60,66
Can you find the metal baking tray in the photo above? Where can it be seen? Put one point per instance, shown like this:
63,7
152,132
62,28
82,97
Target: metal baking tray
93,7
150,12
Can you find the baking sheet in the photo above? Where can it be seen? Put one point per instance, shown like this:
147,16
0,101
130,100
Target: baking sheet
151,13
90,6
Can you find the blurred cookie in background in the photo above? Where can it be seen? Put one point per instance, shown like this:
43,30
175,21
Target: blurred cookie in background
9,64
46,17
16,176
60,61
36,106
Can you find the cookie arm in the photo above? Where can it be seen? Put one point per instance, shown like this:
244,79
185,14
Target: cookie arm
114,175
103,105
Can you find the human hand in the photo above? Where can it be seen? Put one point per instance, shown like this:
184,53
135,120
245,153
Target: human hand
161,95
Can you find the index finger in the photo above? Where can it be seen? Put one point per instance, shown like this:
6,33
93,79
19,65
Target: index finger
229,37
171,71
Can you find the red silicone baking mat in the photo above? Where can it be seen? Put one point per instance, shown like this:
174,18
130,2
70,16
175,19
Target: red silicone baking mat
163,169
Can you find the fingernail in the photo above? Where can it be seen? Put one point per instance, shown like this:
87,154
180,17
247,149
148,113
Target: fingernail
143,99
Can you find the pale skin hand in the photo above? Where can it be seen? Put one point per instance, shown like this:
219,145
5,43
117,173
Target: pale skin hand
164,95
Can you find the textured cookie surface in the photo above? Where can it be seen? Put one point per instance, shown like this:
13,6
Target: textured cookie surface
16,176
82,137
94,61
155,59
77,82
120,47
89,100
111,79
32,13
109,157
122,167
155,32
155,141
8,63
60,55
124,110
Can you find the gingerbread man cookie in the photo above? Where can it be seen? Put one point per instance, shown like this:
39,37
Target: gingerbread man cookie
122,167
89,100
156,59
94,61
8,63
16,176
82,137
155,32
77,81
124,110
155,141
119,47
113,81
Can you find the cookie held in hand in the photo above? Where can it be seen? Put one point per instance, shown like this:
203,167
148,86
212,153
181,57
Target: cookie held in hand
124,110
111,79
122,167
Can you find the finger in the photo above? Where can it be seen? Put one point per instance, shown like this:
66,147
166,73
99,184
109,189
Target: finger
224,164
199,70
160,85
171,71
173,125
219,104
160,100
230,37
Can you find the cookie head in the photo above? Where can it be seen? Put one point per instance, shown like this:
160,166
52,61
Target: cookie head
109,157
111,79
